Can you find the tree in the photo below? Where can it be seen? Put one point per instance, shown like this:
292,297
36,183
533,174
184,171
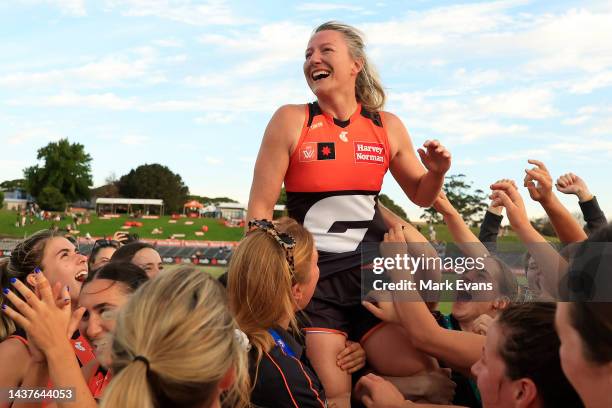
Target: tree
66,167
214,200
155,181
51,199
12,185
390,204
470,204
1,199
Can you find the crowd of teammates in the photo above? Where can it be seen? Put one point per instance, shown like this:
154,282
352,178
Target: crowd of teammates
288,327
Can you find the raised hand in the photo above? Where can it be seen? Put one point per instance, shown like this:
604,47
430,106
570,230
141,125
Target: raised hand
542,191
570,183
435,157
506,195
46,319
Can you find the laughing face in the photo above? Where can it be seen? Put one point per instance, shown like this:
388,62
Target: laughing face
102,299
62,263
329,66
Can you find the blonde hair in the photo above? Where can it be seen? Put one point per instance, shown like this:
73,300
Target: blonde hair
25,257
180,323
260,281
368,88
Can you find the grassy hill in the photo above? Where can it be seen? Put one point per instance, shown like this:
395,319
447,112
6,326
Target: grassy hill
107,227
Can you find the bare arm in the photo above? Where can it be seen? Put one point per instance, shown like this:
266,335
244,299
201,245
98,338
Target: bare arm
420,184
567,228
460,350
13,354
279,140
463,236
552,265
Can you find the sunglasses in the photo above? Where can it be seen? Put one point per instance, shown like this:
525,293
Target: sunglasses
105,243
286,241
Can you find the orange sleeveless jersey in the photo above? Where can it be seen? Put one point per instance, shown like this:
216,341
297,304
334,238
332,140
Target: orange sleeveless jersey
333,180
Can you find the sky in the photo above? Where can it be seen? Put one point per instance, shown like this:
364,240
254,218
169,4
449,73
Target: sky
192,84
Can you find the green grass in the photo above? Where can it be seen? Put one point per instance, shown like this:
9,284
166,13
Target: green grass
101,227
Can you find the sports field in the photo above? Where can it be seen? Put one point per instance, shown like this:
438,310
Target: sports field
107,227
216,230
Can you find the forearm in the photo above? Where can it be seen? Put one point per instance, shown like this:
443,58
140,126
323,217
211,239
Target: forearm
428,188
567,228
37,376
594,217
65,372
469,244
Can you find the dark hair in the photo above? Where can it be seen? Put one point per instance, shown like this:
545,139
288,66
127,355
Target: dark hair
97,246
530,349
124,272
25,257
127,252
593,322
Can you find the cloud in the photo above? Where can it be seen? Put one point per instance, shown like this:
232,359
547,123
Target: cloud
520,103
324,7
268,47
74,8
168,43
110,70
197,13
71,99
591,83
33,134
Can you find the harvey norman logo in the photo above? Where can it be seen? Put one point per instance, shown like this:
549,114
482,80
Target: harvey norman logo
366,152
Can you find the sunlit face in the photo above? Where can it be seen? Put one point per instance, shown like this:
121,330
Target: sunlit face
103,257
591,381
328,65
149,261
494,386
102,299
62,262
307,288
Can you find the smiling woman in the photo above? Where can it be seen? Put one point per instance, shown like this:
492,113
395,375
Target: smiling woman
332,156
59,261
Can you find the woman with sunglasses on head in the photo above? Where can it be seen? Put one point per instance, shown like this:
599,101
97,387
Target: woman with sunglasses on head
272,276
43,253
141,254
102,296
101,253
332,156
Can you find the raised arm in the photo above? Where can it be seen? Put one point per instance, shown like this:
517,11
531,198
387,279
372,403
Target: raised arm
567,228
421,184
460,350
593,216
550,263
461,233
280,139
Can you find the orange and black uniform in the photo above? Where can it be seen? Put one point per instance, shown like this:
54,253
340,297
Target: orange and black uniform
333,180
84,353
282,380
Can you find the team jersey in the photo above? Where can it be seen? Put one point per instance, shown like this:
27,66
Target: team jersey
333,181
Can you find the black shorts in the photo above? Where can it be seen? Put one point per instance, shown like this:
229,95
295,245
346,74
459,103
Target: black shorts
336,307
